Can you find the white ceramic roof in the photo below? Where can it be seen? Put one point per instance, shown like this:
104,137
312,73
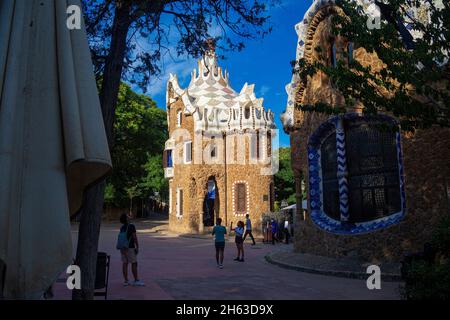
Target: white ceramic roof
215,105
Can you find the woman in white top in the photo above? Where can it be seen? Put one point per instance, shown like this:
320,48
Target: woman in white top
239,231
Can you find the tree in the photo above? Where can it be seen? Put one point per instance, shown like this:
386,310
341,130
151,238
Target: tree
416,70
154,180
115,28
140,132
284,178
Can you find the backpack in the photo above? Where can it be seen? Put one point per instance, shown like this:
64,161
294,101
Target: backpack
122,240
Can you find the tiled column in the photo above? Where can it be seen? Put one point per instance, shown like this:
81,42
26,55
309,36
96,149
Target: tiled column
342,170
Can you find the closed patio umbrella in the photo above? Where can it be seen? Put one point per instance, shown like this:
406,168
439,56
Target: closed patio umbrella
52,140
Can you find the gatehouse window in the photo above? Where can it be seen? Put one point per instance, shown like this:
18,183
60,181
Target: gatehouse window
247,112
179,202
213,148
188,152
356,174
168,160
179,118
240,198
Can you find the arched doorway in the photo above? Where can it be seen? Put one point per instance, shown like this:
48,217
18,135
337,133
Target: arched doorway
211,203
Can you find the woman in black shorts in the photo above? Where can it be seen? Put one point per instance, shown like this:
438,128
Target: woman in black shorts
239,231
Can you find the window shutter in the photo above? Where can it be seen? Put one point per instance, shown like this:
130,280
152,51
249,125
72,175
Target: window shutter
188,152
181,202
241,198
165,162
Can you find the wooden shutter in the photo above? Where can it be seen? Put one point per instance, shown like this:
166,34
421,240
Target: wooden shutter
241,198
181,202
165,159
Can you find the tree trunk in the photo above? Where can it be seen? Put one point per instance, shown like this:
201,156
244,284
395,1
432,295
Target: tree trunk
131,206
91,213
88,237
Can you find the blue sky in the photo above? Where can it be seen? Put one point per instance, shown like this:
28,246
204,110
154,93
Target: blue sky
264,62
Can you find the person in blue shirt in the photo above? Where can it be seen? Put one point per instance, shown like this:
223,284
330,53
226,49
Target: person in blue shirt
274,225
219,232
248,228
239,231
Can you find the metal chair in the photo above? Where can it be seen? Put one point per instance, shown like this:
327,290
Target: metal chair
102,275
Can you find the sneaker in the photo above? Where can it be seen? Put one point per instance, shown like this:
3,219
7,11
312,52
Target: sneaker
138,283
126,284
221,266
241,260
237,259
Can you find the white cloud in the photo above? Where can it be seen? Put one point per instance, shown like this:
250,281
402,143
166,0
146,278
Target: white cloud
181,68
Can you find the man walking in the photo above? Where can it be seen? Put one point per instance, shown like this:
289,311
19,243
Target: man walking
129,251
286,230
219,232
274,227
248,229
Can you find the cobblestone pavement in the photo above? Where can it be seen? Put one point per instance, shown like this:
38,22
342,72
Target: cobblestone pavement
184,268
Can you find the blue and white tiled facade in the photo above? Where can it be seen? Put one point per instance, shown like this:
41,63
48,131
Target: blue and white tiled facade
320,218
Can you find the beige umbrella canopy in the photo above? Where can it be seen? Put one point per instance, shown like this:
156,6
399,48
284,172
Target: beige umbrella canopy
52,140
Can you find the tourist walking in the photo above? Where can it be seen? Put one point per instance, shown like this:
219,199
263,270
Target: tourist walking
128,245
274,227
248,229
239,231
286,231
219,232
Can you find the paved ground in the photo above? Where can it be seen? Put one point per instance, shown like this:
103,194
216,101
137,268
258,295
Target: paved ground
184,268
343,267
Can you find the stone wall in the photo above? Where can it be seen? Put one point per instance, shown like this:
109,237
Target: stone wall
427,171
426,158
193,179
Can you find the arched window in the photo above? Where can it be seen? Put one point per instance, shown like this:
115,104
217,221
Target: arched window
356,174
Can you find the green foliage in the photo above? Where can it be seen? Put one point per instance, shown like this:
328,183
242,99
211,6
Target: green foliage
416,70
430,281
441,237
284,179
140,133
427,280
153,180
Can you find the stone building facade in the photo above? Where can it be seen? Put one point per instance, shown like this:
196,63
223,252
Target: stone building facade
372,194
218,158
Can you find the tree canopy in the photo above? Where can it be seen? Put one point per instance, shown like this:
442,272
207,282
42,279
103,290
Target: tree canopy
284,178
412,41
154,29
140,134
